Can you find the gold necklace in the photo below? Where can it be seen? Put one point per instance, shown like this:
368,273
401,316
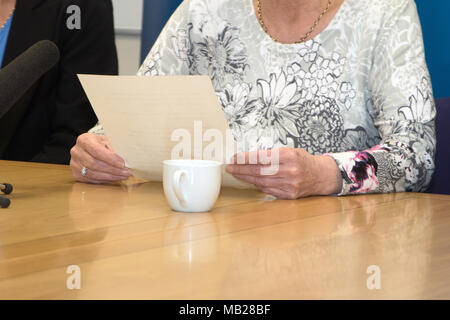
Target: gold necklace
306,36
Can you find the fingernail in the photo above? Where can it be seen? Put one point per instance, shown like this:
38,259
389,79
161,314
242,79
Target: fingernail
126,172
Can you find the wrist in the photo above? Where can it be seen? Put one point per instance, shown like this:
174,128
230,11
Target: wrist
329,176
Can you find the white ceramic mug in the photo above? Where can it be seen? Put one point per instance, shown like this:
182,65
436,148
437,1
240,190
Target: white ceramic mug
192,185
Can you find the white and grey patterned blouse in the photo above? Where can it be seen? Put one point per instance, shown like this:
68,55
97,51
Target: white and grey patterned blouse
359,91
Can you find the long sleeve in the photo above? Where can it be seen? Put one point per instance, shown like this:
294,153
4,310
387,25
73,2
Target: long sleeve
89,50
404,113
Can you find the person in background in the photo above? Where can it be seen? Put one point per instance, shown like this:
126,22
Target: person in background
44,124
340,87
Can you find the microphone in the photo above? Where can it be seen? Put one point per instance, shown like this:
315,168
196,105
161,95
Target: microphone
19,75
6,189
4,202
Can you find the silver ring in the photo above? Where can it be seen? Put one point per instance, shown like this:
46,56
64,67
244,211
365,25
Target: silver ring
84,171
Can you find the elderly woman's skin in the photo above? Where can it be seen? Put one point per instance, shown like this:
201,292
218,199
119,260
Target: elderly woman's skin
95,153
290,20
300,174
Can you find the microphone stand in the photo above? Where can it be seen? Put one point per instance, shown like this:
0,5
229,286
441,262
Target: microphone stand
6,188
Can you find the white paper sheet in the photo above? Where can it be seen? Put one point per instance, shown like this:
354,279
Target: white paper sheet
140,115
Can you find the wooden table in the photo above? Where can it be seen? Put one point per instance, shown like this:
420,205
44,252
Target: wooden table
129,244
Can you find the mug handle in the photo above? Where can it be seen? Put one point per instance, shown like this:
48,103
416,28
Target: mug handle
176,180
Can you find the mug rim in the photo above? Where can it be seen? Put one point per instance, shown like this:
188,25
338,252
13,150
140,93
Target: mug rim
192,163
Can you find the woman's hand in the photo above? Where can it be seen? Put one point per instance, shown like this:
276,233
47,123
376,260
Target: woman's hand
294,174
94,152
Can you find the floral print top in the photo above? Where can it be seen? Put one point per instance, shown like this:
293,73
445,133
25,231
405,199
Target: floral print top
360,91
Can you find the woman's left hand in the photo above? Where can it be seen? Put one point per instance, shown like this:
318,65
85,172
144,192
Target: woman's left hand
292,174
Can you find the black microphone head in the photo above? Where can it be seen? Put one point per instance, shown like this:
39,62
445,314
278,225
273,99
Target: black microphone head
4,202
8,188
18,76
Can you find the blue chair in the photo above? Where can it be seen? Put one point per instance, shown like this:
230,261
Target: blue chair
441,180
156,14
436,35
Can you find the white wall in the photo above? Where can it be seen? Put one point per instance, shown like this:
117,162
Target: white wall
128,25
129,52
128,15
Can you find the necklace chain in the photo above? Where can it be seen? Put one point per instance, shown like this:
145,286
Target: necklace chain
306,36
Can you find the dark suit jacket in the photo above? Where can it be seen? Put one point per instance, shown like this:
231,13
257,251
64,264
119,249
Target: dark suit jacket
44,124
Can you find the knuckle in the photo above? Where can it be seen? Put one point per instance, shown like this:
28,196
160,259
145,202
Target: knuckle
117,172
91,164
261,185
72,164
292,195
74,152
271,170
295,184
289,154
98,153
294,171
81,140
266,183
92,175
249,179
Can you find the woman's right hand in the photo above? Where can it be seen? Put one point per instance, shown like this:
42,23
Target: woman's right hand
94,152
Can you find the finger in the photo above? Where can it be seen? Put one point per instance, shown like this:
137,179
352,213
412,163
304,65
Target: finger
84,180
95,176
84,159
256,170
280,194
271,183
268,157
273,192
244,169
76,171
289,171
99,166
96,149
262,157
103,177
262,182
245,178
286,170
